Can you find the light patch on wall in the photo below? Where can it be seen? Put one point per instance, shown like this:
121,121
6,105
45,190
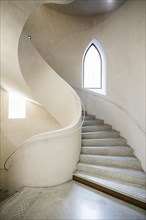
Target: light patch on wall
17,106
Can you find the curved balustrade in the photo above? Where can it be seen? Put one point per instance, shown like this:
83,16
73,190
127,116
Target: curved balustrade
50,158
46,159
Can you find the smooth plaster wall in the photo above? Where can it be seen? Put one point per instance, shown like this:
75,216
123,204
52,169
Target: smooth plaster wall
62,40
14,15
15,131
49,88
122,35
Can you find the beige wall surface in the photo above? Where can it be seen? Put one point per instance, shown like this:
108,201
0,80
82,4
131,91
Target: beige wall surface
62,40
122,35
15,131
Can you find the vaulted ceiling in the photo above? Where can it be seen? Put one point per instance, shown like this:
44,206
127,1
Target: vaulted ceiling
87,7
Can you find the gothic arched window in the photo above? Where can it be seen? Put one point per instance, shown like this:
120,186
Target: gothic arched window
93,75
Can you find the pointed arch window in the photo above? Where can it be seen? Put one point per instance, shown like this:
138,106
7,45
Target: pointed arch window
94,68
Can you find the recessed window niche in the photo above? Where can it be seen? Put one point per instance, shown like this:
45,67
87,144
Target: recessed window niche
94,67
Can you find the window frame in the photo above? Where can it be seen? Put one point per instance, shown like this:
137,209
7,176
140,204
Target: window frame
86,52
102,90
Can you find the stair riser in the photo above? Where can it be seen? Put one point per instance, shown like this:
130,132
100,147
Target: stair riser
100,135
110,162
89,117
110,152
105,142
96,128
92,122
114,175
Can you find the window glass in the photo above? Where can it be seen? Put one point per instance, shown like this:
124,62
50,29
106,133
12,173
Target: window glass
17,106
92,68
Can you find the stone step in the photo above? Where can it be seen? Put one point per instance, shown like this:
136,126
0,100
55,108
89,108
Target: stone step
92,122
89,117
100,134
104,142
107,150
103,127
121,174
134,194
106,159
113,161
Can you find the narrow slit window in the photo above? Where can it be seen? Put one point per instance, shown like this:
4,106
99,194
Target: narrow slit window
92,68
17,106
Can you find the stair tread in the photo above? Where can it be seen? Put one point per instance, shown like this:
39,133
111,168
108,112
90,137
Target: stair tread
129,162
92,121
99,127
108,147
88,117
107,150
108,138
102,125
107,160
104,141
131,190
125,158
138,173
89,122
98,132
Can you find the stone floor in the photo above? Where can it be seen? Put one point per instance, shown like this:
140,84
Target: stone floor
71,200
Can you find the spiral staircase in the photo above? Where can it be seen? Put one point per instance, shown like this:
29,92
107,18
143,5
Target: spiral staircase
106,162
29,74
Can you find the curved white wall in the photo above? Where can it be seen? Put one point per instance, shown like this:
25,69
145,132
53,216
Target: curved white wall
49,88
13,17
46,163
122,35
61,40
43,157
14,14
15,131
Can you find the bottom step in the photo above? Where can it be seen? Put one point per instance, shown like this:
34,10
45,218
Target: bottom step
128,193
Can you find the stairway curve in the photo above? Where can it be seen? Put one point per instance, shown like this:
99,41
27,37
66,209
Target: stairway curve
108,164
